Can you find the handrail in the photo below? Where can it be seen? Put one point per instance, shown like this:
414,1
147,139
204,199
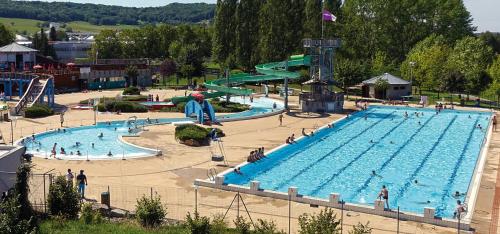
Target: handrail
40,94
22,102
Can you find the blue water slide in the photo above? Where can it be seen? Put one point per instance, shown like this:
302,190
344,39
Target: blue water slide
194,107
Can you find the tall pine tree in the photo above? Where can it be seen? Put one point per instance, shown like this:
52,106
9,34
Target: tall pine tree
224,28
312,23
296,32
274,28
247,33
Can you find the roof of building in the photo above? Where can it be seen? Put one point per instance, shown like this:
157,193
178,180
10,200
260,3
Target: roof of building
393,80
16,48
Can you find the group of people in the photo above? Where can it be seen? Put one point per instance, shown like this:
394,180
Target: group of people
81,181
363,105
439,107
256,155
459,208
305,134
153,98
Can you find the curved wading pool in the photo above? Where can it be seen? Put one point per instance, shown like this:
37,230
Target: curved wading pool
82,143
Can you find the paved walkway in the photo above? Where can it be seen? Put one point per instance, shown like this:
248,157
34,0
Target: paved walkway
172,174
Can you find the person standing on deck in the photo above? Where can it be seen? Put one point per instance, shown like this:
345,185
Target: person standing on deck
82,182
384,194
61,118
495,122
280,117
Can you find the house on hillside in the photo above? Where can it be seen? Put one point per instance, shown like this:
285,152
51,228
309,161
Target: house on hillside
395,88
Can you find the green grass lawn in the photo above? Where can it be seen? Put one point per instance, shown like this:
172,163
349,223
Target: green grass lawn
30,26
128,227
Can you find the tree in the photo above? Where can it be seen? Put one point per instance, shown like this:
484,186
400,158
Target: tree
470,57
187,70
53,34
349,72
17,214
492,39
63,199
107,45
494,73
394,27
429,58
167,68
312,22
6,36
381,85
131,74
273,30
247,33
41,43
322,223
224,28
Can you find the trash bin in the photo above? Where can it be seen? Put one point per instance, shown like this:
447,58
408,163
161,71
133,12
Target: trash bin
6,117
105,199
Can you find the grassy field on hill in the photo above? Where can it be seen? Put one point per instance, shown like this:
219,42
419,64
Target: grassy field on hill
31,26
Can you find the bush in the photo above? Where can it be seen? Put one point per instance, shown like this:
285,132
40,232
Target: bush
266,227
131,91
179,107
228,107
242,226
123,106
129,107
137,98
361,229
191,132
198,225
325,222
150,212
90,216
218,224
63,199
38,111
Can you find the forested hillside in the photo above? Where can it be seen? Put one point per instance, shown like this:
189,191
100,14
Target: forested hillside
106,15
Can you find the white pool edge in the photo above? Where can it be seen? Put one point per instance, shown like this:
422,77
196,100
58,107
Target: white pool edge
334,201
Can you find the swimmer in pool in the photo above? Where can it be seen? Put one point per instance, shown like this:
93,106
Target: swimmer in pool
101,135
110,154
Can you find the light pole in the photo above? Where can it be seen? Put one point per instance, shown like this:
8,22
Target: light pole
412,64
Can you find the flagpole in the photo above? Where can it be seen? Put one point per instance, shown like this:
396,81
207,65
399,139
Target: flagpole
322,21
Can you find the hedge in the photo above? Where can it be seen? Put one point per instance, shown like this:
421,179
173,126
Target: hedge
37,111
191,132
131,91
122,106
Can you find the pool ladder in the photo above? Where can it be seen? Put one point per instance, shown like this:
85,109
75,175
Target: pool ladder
212,173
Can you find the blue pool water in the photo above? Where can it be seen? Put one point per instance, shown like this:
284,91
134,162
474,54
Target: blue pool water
112,131
155,103
440,153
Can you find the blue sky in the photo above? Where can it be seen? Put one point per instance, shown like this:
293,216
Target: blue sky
484,12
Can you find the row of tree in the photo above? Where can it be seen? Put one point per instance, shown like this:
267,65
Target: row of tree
187,45
249,32
99,14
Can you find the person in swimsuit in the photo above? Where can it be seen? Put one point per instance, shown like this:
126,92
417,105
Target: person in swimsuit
384,194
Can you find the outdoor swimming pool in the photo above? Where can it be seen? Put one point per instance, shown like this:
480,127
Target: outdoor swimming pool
113,131
439,151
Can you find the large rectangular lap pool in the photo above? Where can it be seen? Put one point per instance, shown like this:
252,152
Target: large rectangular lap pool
423,160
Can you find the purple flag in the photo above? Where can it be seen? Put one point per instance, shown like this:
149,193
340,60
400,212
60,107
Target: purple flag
327,16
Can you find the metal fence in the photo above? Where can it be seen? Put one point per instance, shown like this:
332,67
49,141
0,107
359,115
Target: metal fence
213,202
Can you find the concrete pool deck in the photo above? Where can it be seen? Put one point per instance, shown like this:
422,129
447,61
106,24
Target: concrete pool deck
172,174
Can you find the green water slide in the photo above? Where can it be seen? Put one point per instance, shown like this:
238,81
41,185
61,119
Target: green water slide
267,72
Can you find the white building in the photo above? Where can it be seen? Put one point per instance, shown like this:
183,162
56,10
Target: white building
18,56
